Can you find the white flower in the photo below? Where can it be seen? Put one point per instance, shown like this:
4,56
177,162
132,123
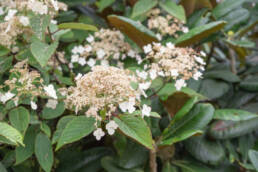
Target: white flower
197,75
15,49
111,127
153,74
142,74
78,76
88,48
116,56
199,60
146,110
98,133
144,86
55,4
91,62
203,53
104,63
147,48
179,84
70,65
51,103
128,106
82,61
161,73
33,105
24,20
53,21
100,54
75,58
185,29
159,36
38,7
90,38
1,11
78,49
131,53
170,45
5,97
50,91
174,72
10,15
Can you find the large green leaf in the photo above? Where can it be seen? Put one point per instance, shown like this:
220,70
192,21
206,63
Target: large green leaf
253,155
174,9
233,115
208,152
198,33
44,152
250,84
143,6
134,30
23,153
5,63
20,118
189,125
39,25
231,129
60,127
49,113
136,128
79,26
11,133
76,129
225,7
42,51
225,75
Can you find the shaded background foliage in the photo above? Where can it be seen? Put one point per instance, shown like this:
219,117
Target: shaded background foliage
224,138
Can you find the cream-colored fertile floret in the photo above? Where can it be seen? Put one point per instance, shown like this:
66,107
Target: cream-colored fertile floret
102,89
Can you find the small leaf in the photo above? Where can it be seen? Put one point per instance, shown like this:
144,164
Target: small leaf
222,74
43,52
136,128
233,115
198,33
23,153
174,9
45,129
49,113
11,133
44,152
143,6
79,26
102,4
20,118
134,30
253,155
76,129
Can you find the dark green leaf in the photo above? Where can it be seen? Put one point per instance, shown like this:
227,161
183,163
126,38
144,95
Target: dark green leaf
5,63
233,115
49,113
253,155
250,84
20,118
222,74
3,51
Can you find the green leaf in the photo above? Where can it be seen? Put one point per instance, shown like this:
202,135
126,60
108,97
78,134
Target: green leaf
208,152
250,84
3,50
225,7
43,52
79,26
60,127
233,115
2,168
109,164
39,25
174,9
102,4
11,133
143,6
49,113
231,129
23,153
134,30
5,63
198,33
136,128
253,155
44,152
45,129
168,168
20,118
241,43
222,74
189,125
213,88
76,129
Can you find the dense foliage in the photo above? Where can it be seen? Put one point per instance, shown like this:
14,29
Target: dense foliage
128,85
